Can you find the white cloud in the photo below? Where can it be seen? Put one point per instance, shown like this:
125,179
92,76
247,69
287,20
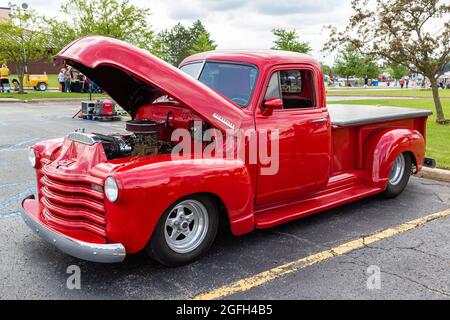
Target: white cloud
239,24
289,7
223,5
184,10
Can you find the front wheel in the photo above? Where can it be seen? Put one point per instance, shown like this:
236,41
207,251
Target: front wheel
398,176
185,231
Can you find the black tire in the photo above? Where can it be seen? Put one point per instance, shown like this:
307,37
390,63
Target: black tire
159,249
395,189
41,87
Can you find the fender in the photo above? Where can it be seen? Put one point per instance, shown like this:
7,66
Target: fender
45,150
148,189
384,147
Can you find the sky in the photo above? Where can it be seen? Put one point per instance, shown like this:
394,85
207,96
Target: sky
239,24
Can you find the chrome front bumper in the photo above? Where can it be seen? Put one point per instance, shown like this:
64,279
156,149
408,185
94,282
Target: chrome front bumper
104,253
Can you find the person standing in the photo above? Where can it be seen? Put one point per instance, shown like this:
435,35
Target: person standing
67,79
62,79
4,76
366,82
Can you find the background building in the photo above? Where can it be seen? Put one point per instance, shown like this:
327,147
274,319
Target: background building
39,67
4,13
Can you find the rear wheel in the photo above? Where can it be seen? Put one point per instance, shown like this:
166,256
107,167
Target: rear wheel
398,176
42,86
185,231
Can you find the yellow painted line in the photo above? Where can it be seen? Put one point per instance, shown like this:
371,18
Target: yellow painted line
277,272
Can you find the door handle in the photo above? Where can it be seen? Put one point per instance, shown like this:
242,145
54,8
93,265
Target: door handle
321,120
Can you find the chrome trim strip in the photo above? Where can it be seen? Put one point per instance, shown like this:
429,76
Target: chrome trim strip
225,121
201,69
103,253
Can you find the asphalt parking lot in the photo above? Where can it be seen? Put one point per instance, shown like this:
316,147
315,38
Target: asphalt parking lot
413,265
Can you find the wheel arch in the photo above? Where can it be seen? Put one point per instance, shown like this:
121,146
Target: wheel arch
150,189
413,159
216,199
221,207
384,147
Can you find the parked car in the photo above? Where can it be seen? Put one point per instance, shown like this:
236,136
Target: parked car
38,82
101,197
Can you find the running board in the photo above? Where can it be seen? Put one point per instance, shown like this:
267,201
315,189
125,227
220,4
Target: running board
275,216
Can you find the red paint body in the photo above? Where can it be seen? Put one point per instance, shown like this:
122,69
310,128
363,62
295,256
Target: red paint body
321,166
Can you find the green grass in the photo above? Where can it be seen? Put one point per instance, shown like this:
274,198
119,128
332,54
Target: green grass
388,93
53,81
438,136
49,95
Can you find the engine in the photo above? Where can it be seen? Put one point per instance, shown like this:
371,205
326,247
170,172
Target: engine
144,139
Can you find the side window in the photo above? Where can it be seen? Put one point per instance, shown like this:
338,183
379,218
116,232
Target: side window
297,89
273,90
192,69
291,81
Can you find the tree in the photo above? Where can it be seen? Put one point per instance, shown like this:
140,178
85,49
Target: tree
112,18
326,70
398,71
203,44
369,68
174,45
447,67
23,40
401,32
348,63
289,41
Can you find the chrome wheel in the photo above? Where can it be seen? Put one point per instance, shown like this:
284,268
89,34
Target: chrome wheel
397,170
186,226
42,87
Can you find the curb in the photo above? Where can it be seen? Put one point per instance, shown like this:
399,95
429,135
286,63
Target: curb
37,101
434,174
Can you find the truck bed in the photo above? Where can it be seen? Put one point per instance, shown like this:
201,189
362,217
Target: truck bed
353,115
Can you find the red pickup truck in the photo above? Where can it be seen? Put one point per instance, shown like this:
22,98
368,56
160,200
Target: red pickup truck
101,197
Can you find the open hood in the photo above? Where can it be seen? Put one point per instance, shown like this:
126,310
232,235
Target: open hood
133,77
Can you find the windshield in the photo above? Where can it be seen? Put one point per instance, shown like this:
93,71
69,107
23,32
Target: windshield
234,81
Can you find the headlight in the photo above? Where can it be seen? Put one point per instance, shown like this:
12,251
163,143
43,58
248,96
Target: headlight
32,157
111,189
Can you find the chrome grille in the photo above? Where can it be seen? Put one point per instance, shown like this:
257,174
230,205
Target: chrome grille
70,202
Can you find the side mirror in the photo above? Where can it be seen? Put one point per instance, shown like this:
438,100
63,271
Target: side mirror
272,104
